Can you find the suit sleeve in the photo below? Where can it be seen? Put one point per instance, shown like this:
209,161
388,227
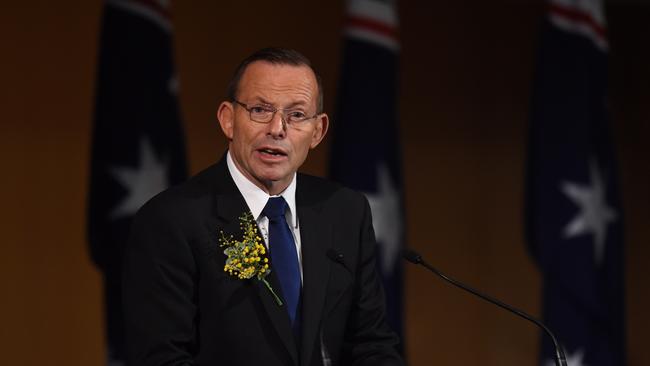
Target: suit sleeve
159,289
369,340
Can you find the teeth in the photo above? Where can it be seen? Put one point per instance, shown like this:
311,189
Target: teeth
270,152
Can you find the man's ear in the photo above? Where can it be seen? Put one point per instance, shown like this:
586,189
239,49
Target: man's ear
320,130
226,117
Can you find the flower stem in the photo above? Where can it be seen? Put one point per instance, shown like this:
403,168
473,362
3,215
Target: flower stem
277,298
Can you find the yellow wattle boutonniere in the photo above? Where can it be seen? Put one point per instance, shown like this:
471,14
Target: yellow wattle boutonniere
247,257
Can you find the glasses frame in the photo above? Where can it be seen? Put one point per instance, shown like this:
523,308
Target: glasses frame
248,109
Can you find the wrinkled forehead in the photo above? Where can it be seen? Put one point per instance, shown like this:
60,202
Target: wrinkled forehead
279,84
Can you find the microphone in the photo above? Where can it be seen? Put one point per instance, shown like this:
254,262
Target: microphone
337,257
415,258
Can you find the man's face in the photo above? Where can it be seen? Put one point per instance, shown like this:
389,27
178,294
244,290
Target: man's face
270,153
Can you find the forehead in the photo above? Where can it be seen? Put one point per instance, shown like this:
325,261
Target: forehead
278,83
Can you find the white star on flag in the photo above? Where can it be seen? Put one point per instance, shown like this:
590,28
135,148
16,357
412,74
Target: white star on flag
386,218
574,359
594,213
142,183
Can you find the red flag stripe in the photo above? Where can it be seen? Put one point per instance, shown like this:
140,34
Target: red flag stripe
372,25
578,16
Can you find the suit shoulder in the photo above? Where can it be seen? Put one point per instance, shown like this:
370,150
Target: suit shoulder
186,197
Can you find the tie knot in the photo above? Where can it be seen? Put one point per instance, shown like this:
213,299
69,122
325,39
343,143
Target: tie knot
275,208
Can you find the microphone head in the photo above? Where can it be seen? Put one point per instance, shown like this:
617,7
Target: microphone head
335,255
412,256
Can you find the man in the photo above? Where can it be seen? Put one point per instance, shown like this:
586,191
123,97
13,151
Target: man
182,306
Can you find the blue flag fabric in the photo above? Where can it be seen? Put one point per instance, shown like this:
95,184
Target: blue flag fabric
574,217
365,151
137,144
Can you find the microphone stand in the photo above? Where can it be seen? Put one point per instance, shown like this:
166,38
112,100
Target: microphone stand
415,258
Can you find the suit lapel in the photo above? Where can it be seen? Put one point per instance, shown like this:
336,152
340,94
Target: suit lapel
229,206
278,315
315,234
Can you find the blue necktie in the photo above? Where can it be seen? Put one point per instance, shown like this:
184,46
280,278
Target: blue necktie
284,258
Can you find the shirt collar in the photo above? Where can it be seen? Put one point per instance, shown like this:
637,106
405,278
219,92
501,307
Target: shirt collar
256,198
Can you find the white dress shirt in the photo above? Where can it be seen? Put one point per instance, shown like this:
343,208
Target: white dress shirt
256,199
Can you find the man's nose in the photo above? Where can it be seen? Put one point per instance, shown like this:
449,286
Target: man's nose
277,125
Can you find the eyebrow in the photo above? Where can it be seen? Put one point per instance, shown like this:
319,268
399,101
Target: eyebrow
292,105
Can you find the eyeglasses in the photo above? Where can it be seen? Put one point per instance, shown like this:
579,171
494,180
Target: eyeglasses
264,114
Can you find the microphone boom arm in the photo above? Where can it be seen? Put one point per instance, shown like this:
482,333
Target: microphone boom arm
415,258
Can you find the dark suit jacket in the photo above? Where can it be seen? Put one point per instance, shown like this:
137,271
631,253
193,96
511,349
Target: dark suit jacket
181,308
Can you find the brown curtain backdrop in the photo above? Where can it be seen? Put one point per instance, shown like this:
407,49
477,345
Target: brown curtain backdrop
466,71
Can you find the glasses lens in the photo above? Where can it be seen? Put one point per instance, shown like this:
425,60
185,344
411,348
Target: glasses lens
295,117
261,113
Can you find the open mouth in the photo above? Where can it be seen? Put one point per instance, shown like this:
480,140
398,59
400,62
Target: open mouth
272,152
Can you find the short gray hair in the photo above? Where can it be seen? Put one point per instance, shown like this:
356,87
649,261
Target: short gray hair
276,56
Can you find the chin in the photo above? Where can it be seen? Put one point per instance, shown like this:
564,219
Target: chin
274,176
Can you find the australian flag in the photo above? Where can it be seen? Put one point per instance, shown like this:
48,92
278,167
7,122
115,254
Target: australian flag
365,148
574,217
138,143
